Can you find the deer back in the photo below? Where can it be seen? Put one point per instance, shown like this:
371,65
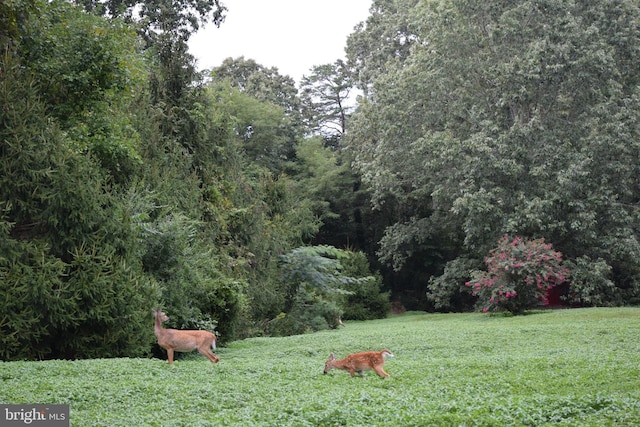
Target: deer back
365,360
181,340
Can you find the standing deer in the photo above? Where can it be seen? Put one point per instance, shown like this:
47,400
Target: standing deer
176,340
358,362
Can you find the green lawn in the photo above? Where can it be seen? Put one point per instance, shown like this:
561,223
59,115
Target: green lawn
567,367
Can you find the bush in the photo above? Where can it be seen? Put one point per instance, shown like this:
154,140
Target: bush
448,291
325,283
520,273
365,300
591,283
310,311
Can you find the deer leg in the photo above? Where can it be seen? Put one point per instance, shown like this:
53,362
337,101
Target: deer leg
380,371
209,354
170,355
205,349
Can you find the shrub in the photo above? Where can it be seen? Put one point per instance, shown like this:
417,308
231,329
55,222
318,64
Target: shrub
519,275
365,300
324,282
310,311
591,283
448,291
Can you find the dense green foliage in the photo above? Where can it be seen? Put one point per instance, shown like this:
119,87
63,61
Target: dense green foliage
154,18
363,299
551,368
128,183
326,284
87,70
493,118
239,202
68,270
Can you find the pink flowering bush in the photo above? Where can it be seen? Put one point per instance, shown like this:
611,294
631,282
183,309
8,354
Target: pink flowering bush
519,274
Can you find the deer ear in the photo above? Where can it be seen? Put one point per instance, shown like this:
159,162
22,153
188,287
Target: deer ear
332,356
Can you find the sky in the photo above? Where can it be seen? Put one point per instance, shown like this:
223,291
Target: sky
292,35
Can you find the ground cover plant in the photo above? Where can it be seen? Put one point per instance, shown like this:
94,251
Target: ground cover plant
559,368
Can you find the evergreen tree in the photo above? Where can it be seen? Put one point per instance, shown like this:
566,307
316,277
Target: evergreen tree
68,269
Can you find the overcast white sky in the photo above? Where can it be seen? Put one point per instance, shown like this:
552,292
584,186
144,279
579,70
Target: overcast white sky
292,35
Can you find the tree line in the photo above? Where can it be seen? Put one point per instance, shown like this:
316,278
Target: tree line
130,180
242,203
489,118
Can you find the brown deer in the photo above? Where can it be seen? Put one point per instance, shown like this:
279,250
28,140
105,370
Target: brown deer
177,340
358,362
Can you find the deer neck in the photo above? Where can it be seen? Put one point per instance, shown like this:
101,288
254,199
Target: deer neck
339,363
158,325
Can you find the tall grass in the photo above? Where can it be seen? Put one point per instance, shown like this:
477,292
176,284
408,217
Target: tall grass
561,368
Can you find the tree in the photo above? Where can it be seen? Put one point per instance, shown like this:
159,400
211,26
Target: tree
88,70
155,17
324,177
68,270
325,100
494,126
14,22
261,127
315,284
270,88
264,84
382,41
365,299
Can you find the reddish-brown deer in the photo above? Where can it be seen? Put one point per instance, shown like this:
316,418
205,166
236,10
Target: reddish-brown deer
177,340
358,362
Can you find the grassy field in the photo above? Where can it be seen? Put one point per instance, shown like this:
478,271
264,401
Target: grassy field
561,368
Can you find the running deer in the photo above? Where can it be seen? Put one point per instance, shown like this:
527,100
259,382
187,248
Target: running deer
358,362
177,340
